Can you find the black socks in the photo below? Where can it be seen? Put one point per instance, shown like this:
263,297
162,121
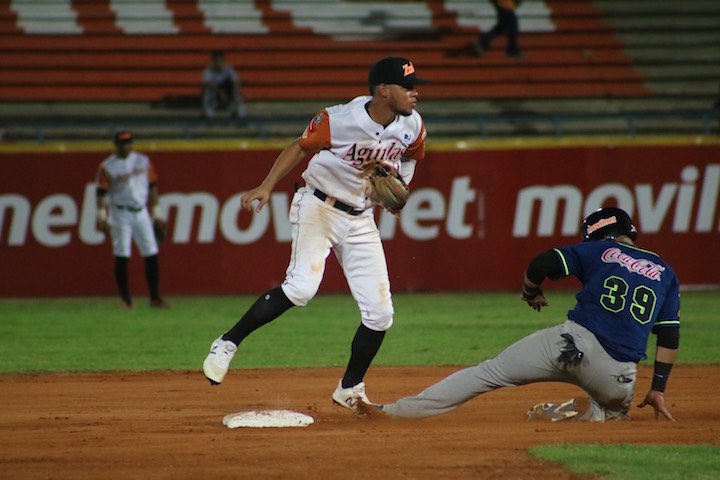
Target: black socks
365,346
267,308
121,278
274,303
152,275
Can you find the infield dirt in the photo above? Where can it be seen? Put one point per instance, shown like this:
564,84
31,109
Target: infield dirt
168,425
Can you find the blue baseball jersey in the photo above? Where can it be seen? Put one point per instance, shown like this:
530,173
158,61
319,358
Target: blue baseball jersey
627,292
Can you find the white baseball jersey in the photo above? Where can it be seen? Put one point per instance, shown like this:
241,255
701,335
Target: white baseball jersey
127,181
348,139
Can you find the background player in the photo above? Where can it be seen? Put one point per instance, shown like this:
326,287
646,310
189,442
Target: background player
627,293
333,211
126,184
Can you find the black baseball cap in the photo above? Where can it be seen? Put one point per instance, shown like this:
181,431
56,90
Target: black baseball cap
123,137
394,70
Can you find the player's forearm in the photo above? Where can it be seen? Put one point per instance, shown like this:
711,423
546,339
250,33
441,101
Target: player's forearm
541,267
530,287
407,169
102,207
664,360
665,355
154,203
285,163
102,218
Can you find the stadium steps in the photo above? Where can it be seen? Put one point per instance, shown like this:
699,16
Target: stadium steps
676,45
605,57
315,49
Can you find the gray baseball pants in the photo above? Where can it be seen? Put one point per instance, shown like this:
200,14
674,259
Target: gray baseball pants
608,382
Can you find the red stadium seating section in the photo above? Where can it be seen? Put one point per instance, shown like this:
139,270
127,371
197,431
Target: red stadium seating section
580,58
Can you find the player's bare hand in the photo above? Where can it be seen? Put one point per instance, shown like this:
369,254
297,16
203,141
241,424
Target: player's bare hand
656,400
261,194
537,303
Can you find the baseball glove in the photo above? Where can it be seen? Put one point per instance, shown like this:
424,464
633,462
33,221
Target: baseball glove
104,226
389,188
160,230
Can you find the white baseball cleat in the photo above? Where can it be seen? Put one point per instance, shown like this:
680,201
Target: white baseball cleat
217,362
349,397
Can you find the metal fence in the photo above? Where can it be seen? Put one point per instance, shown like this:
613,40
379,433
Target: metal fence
700,122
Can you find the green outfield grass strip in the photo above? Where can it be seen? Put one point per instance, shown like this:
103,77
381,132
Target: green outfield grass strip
95,334
636,462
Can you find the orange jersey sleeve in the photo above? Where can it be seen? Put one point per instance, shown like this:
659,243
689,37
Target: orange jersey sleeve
102,179
416,150
317,134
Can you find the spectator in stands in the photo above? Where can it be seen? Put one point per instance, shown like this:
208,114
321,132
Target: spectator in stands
507,23
221,88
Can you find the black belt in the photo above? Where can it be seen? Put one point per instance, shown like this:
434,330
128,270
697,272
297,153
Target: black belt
129,209
337,204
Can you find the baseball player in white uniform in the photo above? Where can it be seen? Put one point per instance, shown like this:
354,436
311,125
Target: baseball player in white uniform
333,211
126,185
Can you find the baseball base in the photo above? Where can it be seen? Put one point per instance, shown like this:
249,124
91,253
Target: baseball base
267,418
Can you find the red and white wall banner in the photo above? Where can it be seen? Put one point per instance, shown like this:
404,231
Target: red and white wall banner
473,221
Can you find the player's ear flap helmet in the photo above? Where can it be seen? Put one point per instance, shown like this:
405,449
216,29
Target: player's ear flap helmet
607,224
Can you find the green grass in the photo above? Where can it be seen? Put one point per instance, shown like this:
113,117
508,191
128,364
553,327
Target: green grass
636,462
94,334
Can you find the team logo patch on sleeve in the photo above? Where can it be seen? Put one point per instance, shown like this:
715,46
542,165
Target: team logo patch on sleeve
311,127
316,121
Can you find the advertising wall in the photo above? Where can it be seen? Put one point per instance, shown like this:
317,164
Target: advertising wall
473,221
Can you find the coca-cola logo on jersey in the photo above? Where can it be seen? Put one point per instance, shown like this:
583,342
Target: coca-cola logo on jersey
641,266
